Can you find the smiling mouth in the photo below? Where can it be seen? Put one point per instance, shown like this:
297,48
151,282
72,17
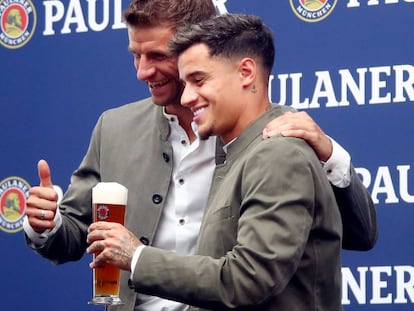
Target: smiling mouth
154,85
199,111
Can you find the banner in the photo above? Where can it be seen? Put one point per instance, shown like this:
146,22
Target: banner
349,64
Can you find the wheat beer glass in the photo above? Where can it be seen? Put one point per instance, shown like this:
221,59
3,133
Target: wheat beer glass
109,202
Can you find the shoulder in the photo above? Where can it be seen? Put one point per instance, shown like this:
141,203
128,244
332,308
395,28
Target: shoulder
131,110
282,151
282,145
138,114
282,108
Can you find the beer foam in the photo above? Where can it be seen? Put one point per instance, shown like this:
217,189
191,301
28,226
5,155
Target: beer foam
109,193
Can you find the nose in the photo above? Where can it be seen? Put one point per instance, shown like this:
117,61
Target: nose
189,96
145,69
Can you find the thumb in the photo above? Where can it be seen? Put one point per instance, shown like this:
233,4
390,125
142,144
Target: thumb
44,174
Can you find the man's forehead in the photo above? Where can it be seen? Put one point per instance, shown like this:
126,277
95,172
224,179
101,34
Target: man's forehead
151,39
151,33
195,55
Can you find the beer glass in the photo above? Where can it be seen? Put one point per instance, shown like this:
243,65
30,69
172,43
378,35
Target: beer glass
109,202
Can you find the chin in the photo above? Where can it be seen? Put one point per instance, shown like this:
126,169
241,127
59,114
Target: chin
158,102
205,135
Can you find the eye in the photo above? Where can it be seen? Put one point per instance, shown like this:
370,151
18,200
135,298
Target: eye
159,56
137,56
198,80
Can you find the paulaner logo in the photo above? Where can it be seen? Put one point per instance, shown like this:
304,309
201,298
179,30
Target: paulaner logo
17,22
13,194
312,10
102,212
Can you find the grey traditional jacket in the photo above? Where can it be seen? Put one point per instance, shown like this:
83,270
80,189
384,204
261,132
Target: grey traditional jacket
129,145
270,237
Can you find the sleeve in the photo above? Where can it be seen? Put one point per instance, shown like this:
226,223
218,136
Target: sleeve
359,221
359,218
39,239
337,168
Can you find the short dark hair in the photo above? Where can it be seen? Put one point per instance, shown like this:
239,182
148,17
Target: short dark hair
230,36
171,13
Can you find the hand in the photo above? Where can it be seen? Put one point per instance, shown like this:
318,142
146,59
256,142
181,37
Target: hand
301,125
112,243
42,202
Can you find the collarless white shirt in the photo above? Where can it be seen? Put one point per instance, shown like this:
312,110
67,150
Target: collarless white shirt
193,168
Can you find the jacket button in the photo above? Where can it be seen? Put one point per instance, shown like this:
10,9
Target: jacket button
157,198
144,240
166,157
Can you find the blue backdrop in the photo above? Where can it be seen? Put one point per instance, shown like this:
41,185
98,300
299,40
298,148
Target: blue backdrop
349,64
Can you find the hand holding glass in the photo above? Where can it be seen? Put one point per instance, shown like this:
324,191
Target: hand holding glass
109,201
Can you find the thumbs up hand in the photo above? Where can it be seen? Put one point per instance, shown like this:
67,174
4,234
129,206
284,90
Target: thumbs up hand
42,202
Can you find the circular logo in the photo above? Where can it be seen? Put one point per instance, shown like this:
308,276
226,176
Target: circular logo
102,212
17,22
13,194
312,10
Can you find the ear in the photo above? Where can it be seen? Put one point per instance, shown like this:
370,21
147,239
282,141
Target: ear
247,71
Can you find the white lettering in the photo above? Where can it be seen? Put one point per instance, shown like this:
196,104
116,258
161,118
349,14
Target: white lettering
54,11
118,23
364,175
384,184
95,26
378,284
377,84
296,103
357,90
359,290
220,6
404,286
324,89
382,84
382,281
74,15
403,169
402,85
98,14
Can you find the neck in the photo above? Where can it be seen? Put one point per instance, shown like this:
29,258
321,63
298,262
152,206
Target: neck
185,117
252,111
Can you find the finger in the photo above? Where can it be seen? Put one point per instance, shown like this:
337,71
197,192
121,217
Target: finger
95,247
38,224
105,225
295,133
44,174
271,128
98,261
41,197
276,125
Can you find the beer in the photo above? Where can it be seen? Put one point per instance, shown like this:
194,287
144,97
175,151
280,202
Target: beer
107,276
109,203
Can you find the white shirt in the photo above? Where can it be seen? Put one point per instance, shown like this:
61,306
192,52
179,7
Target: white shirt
193,169
338,166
